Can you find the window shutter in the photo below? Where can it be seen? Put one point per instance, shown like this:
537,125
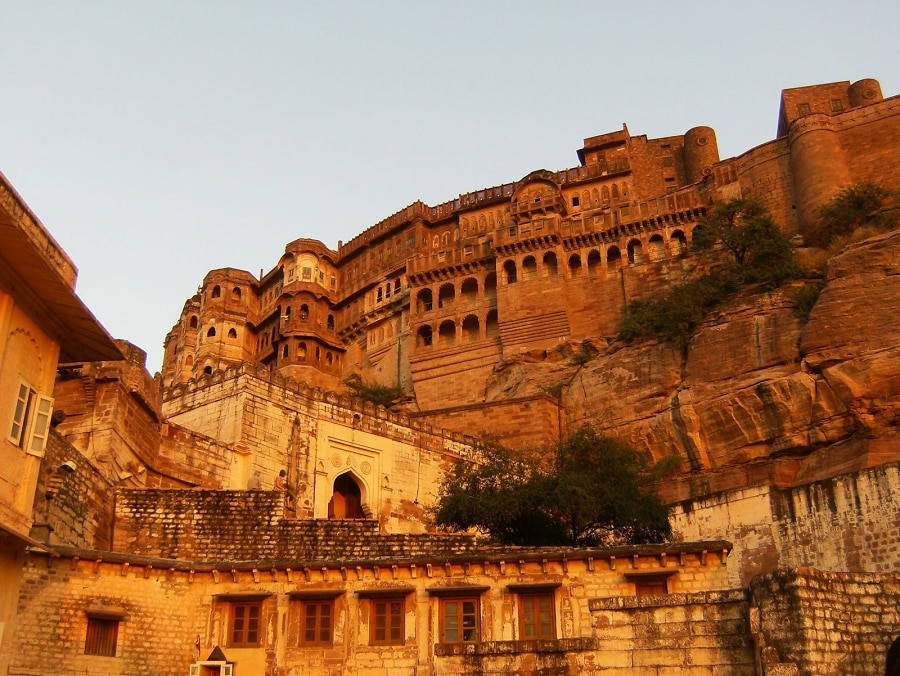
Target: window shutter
18,424
41,426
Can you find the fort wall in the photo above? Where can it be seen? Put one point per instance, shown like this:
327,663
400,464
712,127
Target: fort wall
849,522
807,621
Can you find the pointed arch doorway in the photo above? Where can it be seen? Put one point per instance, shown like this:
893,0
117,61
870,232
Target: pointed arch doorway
346,499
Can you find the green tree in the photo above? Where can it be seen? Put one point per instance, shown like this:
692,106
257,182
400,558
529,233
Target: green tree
759,250
858,206
677,315
378,394
589,489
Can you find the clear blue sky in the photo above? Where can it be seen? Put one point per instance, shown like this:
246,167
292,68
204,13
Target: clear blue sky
160,140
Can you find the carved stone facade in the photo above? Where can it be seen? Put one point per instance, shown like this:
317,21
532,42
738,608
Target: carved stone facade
434,297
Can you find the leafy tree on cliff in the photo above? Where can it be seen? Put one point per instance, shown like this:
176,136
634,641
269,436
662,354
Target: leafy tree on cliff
864,205
587,490
759,250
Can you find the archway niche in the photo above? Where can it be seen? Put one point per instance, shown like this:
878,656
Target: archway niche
346,499
613,258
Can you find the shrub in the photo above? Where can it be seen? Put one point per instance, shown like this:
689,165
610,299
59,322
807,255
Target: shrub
376,393
806,297
855,207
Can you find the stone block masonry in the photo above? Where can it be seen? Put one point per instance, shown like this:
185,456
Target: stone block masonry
204,525
824,623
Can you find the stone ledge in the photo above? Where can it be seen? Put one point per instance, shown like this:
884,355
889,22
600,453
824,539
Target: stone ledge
663,600
488,648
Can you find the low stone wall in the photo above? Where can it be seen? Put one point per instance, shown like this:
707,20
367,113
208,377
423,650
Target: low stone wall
206,525
810,622
694,633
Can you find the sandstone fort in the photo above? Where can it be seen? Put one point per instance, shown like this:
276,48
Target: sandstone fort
130,543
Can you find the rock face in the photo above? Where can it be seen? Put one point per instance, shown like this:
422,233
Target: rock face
787,429
761,394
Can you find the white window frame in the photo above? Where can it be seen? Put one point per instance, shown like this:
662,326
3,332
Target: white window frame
30,425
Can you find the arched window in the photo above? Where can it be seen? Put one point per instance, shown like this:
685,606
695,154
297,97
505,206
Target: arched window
424,336
615,192
217,291
232,334
207,370
236,293
604,194
446,295
346,500
574,265
550,264
529,268
509,267
677,243
613,258
329,360
424,300
304,312
330,322
656,248
635,252
284,351
397,286
193,321
490,285
593,261
469,289
287,312
301,352
378,296
596,196
189,360
491,325
318,354
211,332
447,334
471,329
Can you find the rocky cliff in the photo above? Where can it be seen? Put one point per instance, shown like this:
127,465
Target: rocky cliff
762,395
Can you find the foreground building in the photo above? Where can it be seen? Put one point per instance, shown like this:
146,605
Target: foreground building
146,554
42,323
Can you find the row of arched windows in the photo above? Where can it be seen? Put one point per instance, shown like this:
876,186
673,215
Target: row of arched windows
448,333
447,294
610,193
211,333
481,224
303,315
383,292
217,292
532,267
297,352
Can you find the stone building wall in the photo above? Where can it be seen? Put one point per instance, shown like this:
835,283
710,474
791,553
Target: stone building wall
251,525
692,632
524,422
849,522
74,502
161,607
809,622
